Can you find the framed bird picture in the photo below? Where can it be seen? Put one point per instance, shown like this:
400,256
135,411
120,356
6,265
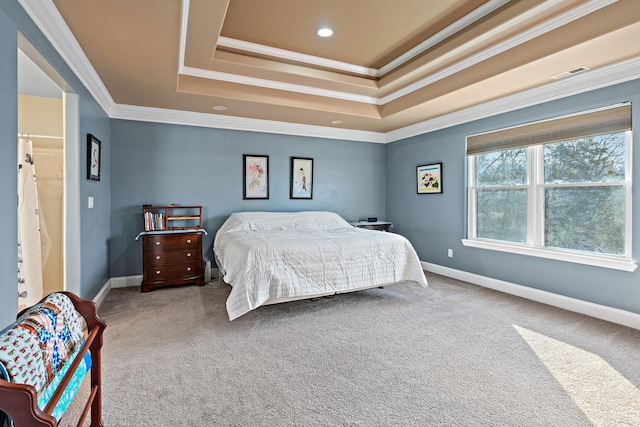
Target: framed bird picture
255,176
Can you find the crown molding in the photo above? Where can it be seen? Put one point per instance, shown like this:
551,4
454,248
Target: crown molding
296,57
184,24
187,118
443,34
46,16
591,80
273,84
537,31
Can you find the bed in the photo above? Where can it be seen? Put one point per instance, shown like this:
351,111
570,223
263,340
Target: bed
271,257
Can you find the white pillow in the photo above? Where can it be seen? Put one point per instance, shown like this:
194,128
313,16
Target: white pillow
275,221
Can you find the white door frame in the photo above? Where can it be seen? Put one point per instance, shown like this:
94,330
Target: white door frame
71,210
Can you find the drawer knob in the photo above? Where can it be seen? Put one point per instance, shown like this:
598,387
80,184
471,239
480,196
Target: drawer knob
157,243
188,254
188,268
158,272
158,257
188,240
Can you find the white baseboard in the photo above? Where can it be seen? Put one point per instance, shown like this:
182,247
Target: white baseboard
615,315
102,294
116,282
125,281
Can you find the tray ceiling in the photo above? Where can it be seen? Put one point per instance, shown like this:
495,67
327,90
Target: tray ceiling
390,65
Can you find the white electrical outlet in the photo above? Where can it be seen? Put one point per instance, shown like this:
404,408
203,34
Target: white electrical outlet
450,253
90,202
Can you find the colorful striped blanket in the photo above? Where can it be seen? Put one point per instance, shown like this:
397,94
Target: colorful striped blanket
39,348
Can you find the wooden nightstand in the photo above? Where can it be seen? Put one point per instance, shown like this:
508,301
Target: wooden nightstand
377,225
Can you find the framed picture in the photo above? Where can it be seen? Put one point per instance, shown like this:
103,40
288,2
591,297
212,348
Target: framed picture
429,178
93,157
255,176
301,178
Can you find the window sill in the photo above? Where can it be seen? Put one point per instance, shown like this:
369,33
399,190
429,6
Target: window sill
579,258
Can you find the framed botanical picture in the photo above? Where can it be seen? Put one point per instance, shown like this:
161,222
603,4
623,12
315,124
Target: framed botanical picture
93,157
301,178
255,176
429,178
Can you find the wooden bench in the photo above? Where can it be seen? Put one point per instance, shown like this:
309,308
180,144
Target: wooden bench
42,356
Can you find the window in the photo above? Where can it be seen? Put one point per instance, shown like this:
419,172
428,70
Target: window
557,189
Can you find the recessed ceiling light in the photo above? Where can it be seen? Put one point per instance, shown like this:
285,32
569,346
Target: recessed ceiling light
325,32
219,107
337,122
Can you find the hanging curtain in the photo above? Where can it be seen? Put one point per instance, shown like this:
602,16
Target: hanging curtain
33,241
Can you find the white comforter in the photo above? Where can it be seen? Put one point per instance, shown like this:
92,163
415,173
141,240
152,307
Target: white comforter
270,255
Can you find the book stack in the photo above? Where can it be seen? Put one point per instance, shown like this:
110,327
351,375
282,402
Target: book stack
153,221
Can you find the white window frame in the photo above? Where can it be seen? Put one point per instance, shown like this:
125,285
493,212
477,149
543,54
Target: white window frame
535,188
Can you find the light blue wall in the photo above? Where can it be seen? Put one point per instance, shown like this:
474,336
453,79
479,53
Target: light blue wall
157,163
435,223
94,224
163,164
8,166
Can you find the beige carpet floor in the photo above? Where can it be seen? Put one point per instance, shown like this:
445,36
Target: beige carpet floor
453,354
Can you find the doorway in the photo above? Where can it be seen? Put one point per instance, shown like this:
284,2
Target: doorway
48,117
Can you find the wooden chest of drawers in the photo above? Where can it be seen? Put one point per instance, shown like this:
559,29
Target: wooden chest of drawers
171,259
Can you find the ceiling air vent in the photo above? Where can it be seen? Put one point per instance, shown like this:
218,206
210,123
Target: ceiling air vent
572,72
